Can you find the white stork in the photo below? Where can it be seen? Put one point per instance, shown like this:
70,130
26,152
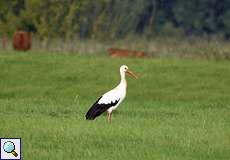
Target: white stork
111,99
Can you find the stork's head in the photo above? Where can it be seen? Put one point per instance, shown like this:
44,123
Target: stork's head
124,69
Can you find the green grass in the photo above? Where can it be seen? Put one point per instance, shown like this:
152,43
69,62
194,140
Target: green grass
177,110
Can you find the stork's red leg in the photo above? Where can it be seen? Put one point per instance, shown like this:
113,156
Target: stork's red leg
109,117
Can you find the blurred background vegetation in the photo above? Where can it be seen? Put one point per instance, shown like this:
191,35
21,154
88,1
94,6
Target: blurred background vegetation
61,24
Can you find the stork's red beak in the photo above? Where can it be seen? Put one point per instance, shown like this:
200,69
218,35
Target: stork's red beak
131,74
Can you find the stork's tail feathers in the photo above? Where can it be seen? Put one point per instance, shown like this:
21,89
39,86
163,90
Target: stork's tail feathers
90,115
93,112
97,109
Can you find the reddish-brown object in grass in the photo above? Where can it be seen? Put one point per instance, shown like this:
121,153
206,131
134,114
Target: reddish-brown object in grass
22,40
116,52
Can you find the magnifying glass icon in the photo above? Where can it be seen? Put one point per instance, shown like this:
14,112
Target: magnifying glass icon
9,147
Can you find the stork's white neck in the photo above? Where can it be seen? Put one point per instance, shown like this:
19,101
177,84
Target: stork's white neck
123,82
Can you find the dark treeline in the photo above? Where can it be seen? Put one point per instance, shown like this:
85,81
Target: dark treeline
113,19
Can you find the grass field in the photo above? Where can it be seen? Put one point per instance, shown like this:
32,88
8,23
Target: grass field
177,110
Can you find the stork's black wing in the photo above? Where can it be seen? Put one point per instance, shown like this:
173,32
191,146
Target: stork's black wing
97,109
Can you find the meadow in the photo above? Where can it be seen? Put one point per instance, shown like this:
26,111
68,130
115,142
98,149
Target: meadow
179,109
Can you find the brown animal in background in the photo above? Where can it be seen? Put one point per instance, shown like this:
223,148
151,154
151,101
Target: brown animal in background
22,40
116,52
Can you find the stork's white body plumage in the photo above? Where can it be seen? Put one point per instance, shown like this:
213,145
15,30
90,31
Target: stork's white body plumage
111,99
116,94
